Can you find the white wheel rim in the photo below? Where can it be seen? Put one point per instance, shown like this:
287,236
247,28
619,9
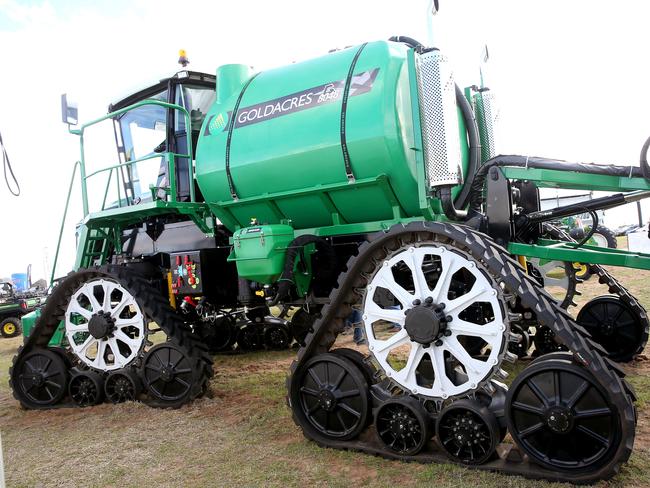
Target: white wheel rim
124,344
492,333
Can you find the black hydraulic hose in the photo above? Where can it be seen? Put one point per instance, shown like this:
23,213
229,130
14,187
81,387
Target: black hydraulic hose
592,231
447,202
474,142
476,191
286,279
453,209
7,166
645,168
409,41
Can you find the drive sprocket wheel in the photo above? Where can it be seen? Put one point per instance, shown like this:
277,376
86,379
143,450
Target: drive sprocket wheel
86,388
105,324
402,425
562,418
468,432
39,379
333,397
614,325
442,301
167,375
122,385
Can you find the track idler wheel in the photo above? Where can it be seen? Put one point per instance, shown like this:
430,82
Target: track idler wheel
168,375
276,334
402,425
614,325
468,432
40,379
86,388
301,324
562,418
122,385
331,397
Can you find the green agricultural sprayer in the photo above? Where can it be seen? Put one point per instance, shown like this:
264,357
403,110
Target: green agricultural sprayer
364,179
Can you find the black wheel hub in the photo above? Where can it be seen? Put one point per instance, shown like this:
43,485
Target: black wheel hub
466,431
38,378
166,373
85,388
327,400
426,322
122,386
401,424
101,325
559,419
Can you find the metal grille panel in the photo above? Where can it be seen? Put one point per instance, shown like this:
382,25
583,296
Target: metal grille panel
439,119
488,117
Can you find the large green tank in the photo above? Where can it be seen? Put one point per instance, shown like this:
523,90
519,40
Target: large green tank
287,138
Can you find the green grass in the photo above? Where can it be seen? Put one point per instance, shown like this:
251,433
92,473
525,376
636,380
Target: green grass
242,435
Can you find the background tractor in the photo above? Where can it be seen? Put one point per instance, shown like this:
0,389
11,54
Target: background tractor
367,180
13,306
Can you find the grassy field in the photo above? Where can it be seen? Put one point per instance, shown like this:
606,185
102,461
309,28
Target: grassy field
242,435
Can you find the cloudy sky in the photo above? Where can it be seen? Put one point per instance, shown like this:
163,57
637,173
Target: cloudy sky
570,77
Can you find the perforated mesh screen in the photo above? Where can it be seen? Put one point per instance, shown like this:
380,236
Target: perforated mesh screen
491,117
439,119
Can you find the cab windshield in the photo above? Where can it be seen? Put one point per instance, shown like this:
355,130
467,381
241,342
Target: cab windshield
144,131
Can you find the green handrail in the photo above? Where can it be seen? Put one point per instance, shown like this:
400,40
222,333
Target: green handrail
171,157
65,214
81,164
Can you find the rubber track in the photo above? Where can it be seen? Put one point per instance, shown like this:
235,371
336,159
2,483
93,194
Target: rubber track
615,288
154,305
351,286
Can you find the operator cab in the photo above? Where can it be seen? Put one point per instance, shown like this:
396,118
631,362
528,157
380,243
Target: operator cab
151,129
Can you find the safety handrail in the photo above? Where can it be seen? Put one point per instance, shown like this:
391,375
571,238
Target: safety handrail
171,157
65,214
81,164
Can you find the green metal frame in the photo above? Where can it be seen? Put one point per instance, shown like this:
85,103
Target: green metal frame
104,227
565,251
